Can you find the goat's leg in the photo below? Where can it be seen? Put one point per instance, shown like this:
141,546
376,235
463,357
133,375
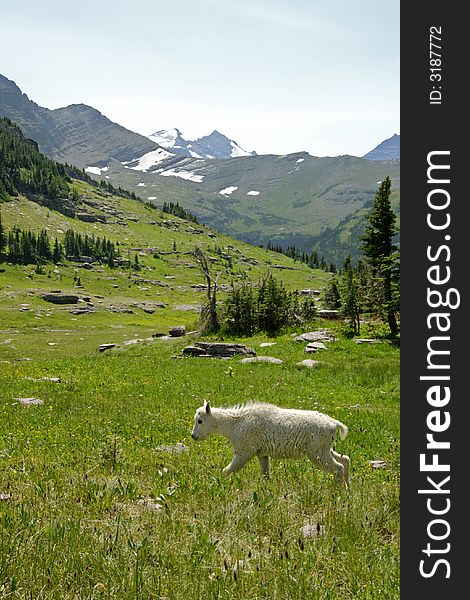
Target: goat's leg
324,459
344,460
238,461
264,465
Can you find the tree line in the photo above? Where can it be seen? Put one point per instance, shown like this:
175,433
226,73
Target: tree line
25,247
173,208
312,259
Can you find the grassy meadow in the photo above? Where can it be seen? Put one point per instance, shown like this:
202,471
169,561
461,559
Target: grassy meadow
103,494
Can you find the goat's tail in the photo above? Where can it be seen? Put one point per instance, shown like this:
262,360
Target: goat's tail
343,430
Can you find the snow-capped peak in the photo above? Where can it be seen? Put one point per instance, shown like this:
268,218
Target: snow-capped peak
214,145
166,137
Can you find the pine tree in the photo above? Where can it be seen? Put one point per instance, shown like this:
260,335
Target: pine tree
350,303
331,296
381,253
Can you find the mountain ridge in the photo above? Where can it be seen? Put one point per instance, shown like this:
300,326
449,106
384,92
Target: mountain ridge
214,145
256,198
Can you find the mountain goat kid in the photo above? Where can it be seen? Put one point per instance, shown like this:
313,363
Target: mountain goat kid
267,431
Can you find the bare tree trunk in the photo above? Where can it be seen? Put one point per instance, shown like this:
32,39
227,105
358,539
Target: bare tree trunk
209,320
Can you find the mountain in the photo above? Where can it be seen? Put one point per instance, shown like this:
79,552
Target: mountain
215,145
387,150
77,134
283,199
112,256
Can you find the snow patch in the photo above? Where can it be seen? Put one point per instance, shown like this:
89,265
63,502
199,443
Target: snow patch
145,162
228,190
237,151
96,170
188,175
151,197
252,193
300,160
141,185
165,137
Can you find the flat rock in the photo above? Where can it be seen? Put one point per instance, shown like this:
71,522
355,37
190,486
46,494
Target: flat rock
267,344
377,464
29,401
268,359
224,349
194,351
366,341
321,335
314,346
104,347
175,448
177,331
61,298
308,363
312,530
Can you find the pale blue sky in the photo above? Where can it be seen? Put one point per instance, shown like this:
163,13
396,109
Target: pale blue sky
277,76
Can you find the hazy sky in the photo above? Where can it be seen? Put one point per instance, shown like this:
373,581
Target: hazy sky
277,76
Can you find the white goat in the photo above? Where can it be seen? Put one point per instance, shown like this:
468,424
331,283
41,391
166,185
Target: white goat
267,431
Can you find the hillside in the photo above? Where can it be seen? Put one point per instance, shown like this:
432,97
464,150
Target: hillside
283,199
154,282
344,240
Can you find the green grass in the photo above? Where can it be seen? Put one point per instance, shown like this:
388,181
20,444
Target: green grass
79,469
91,508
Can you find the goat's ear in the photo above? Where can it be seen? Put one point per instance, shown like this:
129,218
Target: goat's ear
207,406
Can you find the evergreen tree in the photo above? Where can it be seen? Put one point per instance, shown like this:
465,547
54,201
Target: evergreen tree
273,305
350,304
381,253
331,295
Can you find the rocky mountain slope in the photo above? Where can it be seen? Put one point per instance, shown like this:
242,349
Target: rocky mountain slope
77,134
387,150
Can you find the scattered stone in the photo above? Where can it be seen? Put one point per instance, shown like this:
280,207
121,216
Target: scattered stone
267,344
28,401
308,363
268,359
131,342
177,331
377,464
312,530
321,335
6,496
309,292
175,448
104,347
314,346
60,298
84,310
224,349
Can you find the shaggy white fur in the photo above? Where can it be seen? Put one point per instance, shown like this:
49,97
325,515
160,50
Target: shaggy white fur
268,431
